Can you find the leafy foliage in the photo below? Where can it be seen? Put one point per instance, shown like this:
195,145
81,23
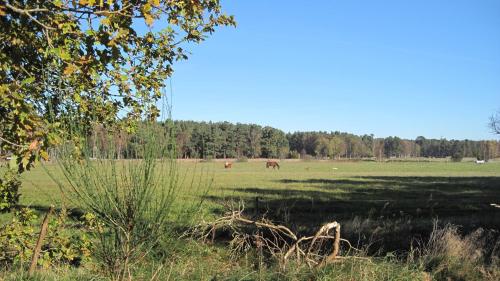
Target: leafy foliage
9,190
457,156
89,61
223,139
18,238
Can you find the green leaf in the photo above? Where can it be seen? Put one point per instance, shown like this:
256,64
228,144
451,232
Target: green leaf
13,161
77,97
25,161
28,80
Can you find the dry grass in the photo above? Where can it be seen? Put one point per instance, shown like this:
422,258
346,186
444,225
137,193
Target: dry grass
450,256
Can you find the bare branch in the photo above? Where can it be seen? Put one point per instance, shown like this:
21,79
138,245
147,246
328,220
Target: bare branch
495,123
11,143
277,240
27,12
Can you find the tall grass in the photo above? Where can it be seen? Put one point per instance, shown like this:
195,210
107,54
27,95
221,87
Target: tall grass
449,255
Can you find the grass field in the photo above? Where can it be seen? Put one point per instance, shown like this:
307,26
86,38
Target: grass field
306,194
383,205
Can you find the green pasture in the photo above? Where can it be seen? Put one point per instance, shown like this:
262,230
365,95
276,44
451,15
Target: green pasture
383,207
370,181
306,194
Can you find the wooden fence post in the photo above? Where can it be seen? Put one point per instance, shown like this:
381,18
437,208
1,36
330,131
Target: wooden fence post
41,236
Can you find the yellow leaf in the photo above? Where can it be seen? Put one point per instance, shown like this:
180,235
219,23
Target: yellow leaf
26,160
146,8
44,155
70,69
111,42
106,21
149,19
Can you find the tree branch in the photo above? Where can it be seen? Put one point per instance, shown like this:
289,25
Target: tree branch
11,143
495,123
27,12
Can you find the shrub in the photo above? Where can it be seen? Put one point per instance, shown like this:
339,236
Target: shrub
307,158
18,238
9,190
294,154
457,157
242,159
133,199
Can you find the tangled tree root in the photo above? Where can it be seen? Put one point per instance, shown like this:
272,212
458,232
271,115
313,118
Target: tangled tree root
277,241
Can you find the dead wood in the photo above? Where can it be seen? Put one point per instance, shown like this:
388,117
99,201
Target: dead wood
276,240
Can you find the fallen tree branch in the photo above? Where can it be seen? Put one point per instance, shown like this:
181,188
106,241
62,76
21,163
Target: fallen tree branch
277,241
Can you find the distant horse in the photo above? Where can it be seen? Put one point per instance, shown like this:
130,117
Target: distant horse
228,165
273,164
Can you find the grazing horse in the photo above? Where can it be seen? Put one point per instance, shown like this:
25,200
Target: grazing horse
228,165
273,164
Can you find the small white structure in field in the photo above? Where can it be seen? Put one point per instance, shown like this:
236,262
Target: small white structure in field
480,161
495,205
335,168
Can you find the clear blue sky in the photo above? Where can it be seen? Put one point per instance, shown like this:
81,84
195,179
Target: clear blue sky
404,68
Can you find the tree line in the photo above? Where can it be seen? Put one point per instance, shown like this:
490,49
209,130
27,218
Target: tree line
211,140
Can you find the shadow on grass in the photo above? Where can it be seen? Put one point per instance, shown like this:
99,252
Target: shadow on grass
387,211
74,213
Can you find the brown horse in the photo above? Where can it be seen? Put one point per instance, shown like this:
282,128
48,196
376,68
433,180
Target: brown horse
228,165
273,164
